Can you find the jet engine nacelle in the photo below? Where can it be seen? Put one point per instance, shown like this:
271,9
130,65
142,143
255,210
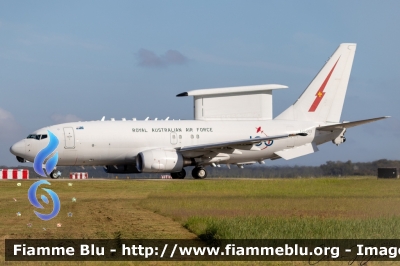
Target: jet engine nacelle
159,161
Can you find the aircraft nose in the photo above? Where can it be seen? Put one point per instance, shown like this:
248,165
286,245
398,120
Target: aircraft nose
18,148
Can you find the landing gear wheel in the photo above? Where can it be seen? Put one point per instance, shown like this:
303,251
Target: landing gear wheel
199,173
179,175
54,174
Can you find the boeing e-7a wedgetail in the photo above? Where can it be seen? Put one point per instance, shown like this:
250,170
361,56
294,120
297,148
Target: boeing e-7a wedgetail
232,126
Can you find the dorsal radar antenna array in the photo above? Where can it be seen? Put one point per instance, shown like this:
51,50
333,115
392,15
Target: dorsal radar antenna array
134,119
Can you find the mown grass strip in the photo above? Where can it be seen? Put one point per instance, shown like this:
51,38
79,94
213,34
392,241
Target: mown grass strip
210,228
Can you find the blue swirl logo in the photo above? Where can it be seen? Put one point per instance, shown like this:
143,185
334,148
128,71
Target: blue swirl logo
32,198
43,154
266,143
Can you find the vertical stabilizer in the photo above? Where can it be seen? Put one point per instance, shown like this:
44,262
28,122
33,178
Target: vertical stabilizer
324,97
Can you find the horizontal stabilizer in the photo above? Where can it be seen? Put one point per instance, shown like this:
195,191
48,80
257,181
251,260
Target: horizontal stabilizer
350,124
298,151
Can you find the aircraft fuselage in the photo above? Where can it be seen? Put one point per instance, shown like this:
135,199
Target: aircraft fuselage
119,142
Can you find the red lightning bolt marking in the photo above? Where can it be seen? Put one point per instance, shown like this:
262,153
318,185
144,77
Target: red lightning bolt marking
320,93
258,129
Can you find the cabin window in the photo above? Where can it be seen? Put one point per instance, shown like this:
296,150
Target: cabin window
197,136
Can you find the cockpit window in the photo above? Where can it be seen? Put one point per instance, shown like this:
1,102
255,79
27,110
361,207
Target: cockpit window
31,136
38,137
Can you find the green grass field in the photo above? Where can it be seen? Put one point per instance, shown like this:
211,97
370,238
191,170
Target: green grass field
214,208
284,208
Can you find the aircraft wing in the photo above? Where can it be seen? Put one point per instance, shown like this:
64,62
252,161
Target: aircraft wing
228,144
350,124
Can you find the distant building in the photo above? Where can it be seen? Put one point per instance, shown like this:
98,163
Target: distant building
388,172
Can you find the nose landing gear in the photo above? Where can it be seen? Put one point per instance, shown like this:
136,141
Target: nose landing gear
55,174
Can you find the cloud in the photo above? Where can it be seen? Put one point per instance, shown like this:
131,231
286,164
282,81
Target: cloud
8,125
147,58
174,57
58,118
4,115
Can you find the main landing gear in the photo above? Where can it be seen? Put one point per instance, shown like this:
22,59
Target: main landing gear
198,173
179,175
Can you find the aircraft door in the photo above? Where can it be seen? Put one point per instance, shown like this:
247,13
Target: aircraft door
174,138
69,138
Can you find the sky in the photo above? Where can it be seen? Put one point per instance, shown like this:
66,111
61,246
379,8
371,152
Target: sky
63,61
